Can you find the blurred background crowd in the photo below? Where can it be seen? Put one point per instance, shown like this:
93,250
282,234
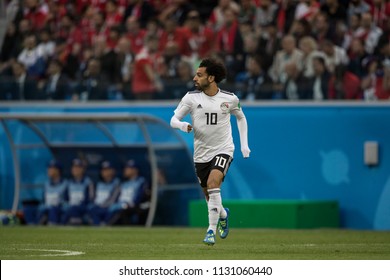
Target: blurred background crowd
81,50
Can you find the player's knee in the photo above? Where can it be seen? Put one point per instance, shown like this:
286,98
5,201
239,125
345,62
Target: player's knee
213,184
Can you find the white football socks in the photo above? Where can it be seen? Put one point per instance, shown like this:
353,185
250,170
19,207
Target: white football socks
215,208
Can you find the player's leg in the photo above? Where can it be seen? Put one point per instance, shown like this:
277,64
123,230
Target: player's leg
220,166
215,201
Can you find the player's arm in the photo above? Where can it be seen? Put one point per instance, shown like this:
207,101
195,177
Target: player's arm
243,131
182,110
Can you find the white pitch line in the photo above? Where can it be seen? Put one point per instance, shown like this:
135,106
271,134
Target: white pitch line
61,253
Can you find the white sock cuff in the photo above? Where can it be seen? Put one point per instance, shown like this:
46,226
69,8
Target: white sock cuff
214,191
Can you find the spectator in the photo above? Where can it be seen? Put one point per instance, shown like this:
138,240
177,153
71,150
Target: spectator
266,13
87,24
286,15
46,45
80,194
113,36
113,15
23,30
21,86
69,32
98,29
71,67
358,7
176,10
254,82
335,12
269,44
368,32
251,46
353,26
380,11
320,80
36,13
125,59
135,34
169,61
92,85
132,192
106,193
307,10
51,210
10,46
139,11
106,51
300,28
56,87
376,84
32,57
175,88
334,55
321,29
201,39
171,32
344,84
357,57
217,16
296,85
229,43
146,82
288,54
308,46
341,36
247,11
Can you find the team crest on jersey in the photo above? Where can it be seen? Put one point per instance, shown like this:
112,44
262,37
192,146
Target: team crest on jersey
224,107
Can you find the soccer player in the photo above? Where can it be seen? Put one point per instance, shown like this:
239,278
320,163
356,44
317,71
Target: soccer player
80,193
210,109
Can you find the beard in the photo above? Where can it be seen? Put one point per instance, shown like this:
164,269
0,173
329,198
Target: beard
201,87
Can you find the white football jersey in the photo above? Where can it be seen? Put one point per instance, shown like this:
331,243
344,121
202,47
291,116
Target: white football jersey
210,117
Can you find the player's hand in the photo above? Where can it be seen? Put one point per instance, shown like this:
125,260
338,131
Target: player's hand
186,127
245,151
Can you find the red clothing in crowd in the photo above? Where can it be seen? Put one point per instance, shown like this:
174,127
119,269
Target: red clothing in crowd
380,14
37,17
380,92
140,80
136,40
179,36
202,42
226,38
351,87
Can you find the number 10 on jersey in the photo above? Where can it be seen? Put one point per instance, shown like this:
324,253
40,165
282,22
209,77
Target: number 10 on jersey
211,118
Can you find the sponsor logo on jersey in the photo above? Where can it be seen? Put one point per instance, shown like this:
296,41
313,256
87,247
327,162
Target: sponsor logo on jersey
199,106
224,107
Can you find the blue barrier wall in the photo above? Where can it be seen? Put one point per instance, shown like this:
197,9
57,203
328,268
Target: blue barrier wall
299,151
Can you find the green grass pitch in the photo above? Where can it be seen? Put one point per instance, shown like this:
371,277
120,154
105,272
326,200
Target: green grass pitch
175,243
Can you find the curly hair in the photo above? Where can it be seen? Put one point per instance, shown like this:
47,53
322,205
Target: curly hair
214,68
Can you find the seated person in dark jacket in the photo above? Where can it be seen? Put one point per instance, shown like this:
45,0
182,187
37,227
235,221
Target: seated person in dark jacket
19,86
93,84
254,82
56,86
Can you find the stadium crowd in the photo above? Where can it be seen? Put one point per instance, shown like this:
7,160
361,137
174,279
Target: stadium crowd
83,50
79,200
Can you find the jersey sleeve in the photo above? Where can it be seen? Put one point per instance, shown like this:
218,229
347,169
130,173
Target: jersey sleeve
236,106
184,107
